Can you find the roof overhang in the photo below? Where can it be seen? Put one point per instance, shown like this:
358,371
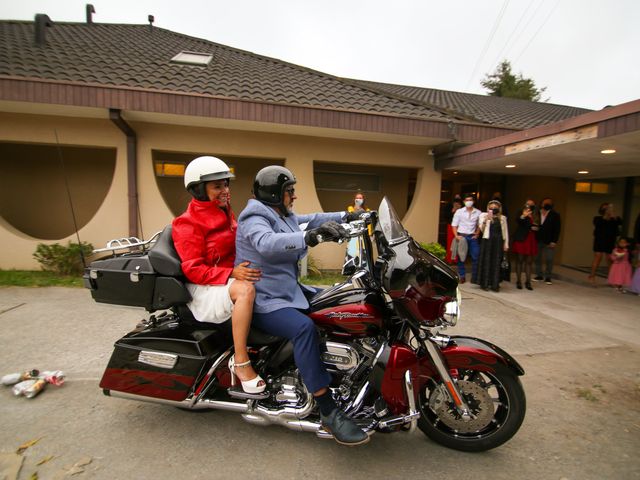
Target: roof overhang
560,149
202,110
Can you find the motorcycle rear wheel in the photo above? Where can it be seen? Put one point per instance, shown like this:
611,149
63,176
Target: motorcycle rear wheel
496,400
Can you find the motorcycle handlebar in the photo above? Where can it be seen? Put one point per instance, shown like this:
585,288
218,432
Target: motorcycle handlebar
353,229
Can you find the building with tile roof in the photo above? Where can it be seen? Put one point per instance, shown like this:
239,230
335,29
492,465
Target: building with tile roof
109,115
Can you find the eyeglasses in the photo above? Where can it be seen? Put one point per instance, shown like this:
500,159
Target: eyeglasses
290,191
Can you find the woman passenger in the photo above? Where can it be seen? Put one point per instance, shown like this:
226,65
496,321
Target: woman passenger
205,239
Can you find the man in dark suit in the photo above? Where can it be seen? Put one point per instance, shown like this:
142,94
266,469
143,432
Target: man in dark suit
548,236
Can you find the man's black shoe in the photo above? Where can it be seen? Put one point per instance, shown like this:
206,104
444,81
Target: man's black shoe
538,278
343,429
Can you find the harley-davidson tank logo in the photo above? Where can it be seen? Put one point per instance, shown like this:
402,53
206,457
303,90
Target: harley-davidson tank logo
347,315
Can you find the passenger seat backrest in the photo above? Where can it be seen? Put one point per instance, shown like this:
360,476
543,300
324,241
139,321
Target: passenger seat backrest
163,256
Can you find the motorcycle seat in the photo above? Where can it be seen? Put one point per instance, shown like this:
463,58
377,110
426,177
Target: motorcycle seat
163,256
165,261
256,338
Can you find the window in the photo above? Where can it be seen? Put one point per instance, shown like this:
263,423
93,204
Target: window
175,169
169,169
592,187
346,181
193,58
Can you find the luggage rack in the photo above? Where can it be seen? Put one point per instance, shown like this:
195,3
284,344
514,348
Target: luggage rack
128,245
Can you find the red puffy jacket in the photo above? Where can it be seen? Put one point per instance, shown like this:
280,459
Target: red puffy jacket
205,239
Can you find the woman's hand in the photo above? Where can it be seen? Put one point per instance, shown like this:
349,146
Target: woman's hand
243,272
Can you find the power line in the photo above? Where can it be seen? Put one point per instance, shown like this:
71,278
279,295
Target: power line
524,29
537,31
499,56
496,24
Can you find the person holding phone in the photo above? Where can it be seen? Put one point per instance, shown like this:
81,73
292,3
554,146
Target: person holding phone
525,245
606,226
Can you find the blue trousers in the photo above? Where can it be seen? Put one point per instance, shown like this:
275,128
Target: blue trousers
295,326
474,253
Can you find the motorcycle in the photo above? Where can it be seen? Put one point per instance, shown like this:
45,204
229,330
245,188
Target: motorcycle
380,336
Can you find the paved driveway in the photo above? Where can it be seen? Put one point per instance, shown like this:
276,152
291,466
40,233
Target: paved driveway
580,347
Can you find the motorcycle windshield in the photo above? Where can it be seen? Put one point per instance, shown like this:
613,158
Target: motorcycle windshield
418,282
390,223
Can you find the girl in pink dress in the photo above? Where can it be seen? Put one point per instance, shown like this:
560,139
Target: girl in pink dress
620,270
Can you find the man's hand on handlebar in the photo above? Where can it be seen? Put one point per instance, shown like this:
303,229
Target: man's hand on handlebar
327,232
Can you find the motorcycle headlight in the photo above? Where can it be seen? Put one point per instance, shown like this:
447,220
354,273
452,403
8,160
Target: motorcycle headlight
452,310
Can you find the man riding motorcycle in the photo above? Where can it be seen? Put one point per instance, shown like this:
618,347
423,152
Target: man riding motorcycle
274,239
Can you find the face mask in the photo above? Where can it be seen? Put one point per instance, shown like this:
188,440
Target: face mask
547,206
495,211
531,207
358,202
468,203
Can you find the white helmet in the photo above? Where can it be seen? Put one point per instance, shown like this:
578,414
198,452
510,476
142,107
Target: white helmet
202,170
206,169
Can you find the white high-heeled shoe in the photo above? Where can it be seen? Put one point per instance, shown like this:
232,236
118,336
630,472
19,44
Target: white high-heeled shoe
255,385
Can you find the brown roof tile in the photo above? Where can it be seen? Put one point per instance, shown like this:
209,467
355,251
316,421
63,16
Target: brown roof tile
139,56
507,112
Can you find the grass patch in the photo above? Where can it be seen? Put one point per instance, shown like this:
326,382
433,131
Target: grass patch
41,278
37,278
325,278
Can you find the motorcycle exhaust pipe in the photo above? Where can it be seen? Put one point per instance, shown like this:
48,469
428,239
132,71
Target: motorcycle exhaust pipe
185,404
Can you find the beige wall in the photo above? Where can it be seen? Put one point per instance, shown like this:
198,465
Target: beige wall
36,186
297,152
109,221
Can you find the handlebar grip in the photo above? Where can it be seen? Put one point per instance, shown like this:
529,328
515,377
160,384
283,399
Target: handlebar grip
321,239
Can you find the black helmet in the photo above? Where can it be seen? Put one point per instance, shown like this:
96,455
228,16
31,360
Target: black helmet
269,185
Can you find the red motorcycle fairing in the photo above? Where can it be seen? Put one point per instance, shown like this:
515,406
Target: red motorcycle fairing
355,319
461,353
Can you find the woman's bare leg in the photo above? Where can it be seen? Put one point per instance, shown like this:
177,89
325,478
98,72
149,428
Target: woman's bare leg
242,295
597,258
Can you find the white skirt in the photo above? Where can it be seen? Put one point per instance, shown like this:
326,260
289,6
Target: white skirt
210,303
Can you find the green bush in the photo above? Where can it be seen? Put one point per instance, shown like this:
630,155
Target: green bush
435,248
63,260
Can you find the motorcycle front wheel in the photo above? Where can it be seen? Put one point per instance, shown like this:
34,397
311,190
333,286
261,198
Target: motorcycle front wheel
497,403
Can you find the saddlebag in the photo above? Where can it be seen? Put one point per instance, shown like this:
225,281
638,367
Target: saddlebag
164,361
131,280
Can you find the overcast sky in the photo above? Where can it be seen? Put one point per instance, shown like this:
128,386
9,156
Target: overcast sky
586,52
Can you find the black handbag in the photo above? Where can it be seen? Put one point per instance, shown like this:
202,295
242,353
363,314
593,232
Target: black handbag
505,269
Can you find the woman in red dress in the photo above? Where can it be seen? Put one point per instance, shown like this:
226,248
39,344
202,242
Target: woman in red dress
525,244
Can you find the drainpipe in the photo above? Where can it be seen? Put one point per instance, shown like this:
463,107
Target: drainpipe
132,168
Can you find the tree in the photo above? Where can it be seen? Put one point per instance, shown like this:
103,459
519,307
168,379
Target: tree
503,83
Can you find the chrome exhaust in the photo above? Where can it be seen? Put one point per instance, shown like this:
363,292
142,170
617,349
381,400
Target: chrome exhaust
187,404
